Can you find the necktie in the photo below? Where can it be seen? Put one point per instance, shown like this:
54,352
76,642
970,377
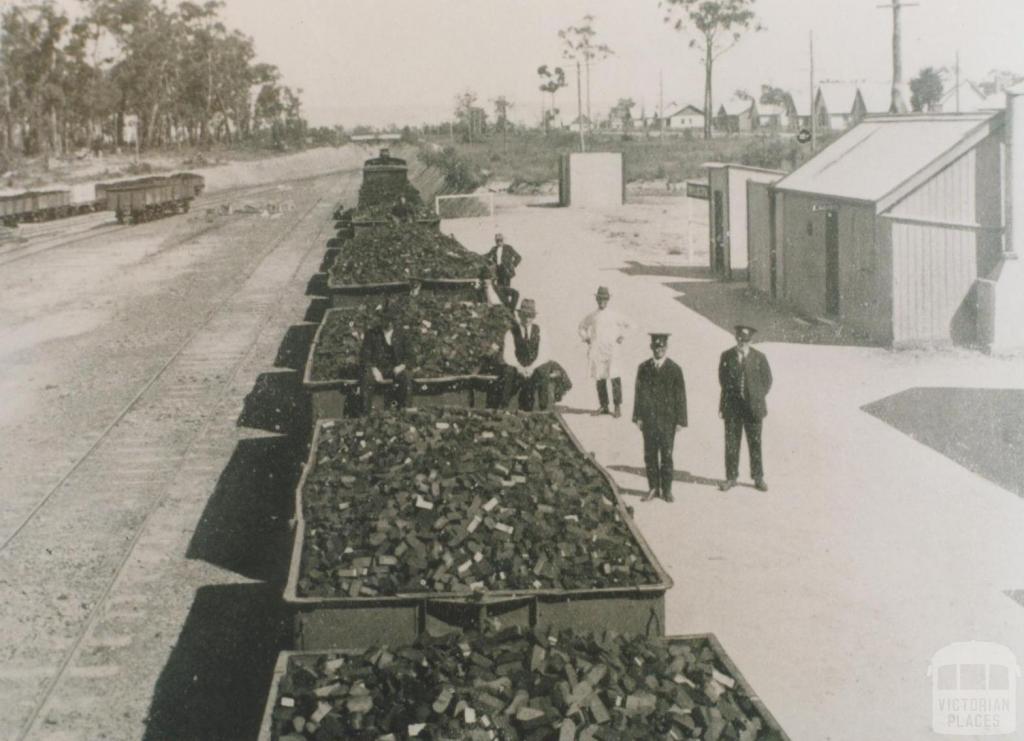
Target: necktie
743,375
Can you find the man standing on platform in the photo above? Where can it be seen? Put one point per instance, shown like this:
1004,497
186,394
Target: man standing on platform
603,331
385,355
505,260
745,378
523,358
659,406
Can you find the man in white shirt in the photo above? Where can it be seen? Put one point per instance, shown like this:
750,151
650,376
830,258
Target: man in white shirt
523,357
604,330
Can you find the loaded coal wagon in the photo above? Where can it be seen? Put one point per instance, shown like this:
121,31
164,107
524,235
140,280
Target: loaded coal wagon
151,198
35,205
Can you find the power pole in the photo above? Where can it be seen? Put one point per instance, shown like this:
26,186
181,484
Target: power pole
814,113
957,68
899,103
661,106
579,108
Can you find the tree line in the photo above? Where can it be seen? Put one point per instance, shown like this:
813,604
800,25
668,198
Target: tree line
135,70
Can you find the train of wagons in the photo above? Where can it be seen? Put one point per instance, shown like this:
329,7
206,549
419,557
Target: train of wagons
132,201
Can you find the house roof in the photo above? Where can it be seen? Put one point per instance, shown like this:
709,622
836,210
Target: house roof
838,96
735,106
801,101
687,110
877,96
971,99
874,160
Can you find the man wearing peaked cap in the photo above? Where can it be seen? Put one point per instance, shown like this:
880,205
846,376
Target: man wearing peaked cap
659,406
604,330
745,378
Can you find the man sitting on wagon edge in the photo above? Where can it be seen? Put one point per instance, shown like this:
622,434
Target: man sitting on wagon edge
385,354
524,359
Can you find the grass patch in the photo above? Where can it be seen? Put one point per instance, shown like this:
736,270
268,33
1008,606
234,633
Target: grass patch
531,158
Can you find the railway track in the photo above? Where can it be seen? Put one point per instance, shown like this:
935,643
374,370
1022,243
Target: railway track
106,500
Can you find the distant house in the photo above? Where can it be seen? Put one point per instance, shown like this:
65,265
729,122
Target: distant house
574,125
834,103
969,100
773,117
620,119
737,116
873,99
685,117
802,104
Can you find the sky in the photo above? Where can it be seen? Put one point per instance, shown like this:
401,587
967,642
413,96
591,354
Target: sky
403,61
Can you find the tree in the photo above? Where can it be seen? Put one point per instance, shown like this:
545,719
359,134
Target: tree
771,95
552,80
579,44
741,94
717,26
501,106
998,80
926,90
623,110
465,111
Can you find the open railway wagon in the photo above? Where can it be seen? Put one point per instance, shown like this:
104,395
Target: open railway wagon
432,520
598,682
37,205
150,198
448,371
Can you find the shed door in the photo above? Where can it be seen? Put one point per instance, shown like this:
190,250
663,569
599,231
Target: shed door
718,259
831,263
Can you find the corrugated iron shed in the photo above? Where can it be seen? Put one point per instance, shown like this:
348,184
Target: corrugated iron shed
874,160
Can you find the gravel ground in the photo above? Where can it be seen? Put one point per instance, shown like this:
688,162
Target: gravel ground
871,551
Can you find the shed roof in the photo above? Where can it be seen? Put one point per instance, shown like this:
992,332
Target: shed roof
874,159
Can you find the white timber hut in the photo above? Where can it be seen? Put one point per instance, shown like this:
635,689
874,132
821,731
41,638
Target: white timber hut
887,230
727,214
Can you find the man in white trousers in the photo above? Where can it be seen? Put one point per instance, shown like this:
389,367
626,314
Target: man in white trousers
604,330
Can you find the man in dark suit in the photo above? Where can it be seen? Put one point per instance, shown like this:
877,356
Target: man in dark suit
659,406
505,260
385,355
745,378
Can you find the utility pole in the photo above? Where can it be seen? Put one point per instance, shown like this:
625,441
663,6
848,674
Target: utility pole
661,106
579,108
957,68
899,103
814,113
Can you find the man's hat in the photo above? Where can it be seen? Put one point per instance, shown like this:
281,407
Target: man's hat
744,332
659,339
528,306
602,292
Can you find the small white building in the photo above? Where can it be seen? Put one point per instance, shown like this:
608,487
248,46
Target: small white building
686,117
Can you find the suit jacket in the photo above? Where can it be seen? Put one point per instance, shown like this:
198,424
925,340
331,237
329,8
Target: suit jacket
660,397
748,398
510,260
376,353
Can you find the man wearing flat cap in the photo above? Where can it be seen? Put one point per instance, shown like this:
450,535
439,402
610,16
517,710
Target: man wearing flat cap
659,406
745,378
604,330
505,260
524,358
385,355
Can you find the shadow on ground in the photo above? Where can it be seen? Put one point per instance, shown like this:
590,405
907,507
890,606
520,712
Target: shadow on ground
684,477
317,285
318,306
728,303
216,680
294,349
980,429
